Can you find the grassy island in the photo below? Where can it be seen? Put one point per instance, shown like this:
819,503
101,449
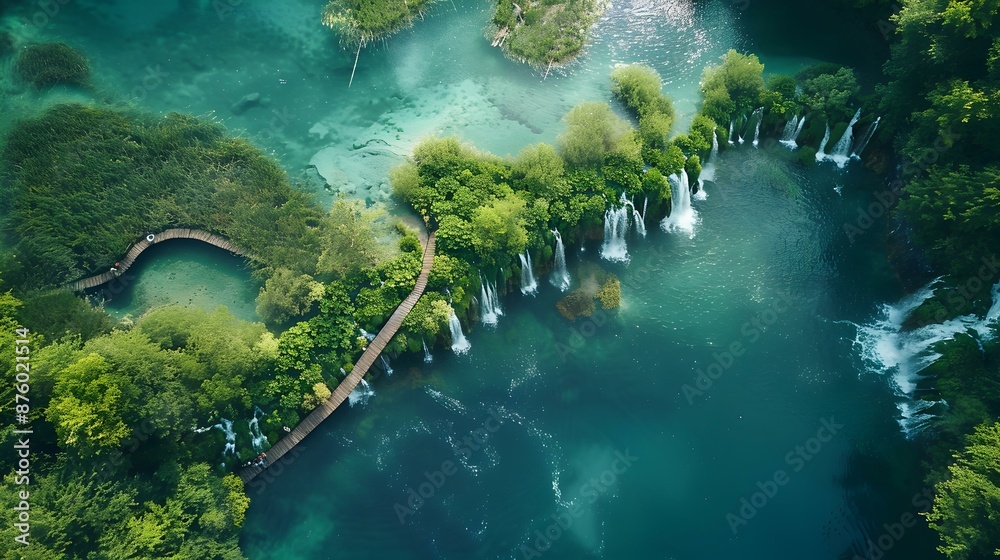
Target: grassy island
360,22
544,32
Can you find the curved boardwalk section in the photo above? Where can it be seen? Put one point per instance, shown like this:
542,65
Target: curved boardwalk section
375,347
137,249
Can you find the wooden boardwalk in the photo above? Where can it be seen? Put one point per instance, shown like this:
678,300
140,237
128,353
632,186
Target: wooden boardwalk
137,249
375,347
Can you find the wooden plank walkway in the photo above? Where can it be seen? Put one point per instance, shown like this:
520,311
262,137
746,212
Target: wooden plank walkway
137,249
375,347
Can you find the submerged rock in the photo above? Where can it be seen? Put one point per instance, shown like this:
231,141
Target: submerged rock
249,101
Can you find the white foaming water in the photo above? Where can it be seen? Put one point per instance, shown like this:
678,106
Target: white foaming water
708,170
756,131
459,344
385,364
841,153
257,439
791,133
528,283
616,221
428,358
560,275
859,148
730,132
489,304
820,153
227,428
902,355
361,394
683,218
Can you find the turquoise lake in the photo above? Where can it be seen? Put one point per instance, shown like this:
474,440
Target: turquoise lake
590,439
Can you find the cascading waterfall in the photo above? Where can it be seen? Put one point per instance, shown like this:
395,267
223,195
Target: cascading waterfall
428,358
227,429
756,131
640,224
459,344
863,142
842,149
385,364
791,133
361,394
489,304
615,227
730,132
369,336
683,217
889,349
708,170
529,285
257,439
560,275
820,153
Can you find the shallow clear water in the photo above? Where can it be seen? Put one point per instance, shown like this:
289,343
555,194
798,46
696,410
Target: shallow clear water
567,397
187,273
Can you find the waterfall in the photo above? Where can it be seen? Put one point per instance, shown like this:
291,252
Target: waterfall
730,132
792,130
385,364
560,275
863,142
459,344
640,225
708,170
756,131
226,426
361,394
888,349
428,358
369,336
528,283
842,150
645,204
820,154
615,227
489,304
257,439
683,217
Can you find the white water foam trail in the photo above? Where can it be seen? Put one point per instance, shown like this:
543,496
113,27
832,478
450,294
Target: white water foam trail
683,218
902,355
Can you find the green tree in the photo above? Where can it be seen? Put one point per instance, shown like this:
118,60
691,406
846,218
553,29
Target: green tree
87,408
967,502
741,77
592,132
286,295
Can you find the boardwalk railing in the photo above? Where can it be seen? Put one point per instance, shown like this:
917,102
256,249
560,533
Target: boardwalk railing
375,347
147,242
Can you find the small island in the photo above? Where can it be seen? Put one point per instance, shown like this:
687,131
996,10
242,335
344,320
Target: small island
543,33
